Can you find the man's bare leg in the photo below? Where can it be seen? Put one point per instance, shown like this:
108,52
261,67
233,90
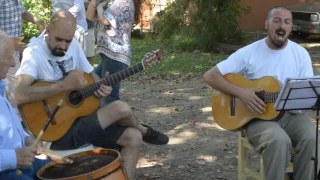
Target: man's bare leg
149,135
142,129
113,112
130,142
131,139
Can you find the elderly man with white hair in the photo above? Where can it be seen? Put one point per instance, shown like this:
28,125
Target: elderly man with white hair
15,150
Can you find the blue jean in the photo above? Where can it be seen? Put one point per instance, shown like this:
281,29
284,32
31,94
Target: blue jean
28,173
112,66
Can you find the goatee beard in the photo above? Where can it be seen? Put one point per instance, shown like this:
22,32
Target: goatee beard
278,44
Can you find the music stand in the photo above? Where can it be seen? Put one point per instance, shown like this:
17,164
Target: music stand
301,94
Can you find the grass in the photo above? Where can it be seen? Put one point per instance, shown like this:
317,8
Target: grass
175,61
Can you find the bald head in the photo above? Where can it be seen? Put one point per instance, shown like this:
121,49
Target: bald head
5,42
273,10
62,17
6,51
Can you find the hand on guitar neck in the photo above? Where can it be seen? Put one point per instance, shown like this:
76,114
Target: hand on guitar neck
250,98
104,90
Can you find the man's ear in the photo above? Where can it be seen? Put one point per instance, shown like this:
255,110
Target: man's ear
47,29
266,25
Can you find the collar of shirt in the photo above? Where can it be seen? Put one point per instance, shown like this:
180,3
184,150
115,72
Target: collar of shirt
3,85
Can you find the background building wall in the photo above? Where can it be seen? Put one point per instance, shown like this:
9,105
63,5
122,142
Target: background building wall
259,9
252,21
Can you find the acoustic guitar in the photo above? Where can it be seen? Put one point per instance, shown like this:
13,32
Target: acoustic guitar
230,113
76,103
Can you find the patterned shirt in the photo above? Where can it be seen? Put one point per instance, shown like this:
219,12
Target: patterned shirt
114,40
10,17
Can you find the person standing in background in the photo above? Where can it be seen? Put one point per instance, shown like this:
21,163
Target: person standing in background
91,40
114,20
12,13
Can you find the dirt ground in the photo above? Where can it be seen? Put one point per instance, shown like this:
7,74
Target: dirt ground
180,106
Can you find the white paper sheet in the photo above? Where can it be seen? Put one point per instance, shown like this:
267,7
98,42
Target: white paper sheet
302,95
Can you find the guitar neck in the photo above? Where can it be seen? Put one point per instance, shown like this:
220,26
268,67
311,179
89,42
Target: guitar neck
112,79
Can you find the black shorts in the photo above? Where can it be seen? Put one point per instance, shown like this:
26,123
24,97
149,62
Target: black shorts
87,130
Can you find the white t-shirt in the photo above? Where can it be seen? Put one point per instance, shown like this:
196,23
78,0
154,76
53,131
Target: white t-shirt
39,62
257,60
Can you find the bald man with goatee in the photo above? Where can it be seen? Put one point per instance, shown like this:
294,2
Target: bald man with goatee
56,56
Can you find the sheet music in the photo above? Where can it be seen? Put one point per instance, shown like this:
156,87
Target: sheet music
299,93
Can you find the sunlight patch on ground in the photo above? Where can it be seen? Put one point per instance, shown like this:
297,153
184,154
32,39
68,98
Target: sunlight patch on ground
185,89
206,109
195,97
181,126
207,125
182,137
210,118
207,158
144,163
174,140
161,110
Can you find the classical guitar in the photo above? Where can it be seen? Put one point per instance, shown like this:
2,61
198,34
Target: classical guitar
77,103
230,113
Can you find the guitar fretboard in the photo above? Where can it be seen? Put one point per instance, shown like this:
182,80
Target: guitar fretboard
111,80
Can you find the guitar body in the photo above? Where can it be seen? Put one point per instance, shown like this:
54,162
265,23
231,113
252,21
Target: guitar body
35,114
221,103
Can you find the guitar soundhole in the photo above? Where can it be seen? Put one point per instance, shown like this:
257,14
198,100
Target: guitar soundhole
75,98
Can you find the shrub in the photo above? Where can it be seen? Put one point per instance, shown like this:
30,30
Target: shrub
201,22
39,8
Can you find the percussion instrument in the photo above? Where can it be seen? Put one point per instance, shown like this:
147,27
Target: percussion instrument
104,164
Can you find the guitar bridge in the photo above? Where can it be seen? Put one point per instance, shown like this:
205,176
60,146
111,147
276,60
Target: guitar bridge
232,106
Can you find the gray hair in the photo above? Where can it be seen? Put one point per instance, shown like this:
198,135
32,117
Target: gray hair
3,39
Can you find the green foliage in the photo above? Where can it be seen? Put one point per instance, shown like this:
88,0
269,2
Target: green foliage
172,20
199,23
175,62
40,8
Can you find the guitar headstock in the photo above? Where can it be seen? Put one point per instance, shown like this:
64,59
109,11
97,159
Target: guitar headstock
151,58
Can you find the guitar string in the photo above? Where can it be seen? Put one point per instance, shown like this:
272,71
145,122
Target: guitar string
268,97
